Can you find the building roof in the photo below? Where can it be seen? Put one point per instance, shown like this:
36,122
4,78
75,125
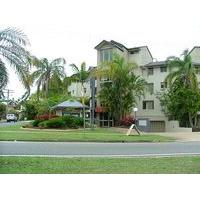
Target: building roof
70,104
163,63
155,64
121,47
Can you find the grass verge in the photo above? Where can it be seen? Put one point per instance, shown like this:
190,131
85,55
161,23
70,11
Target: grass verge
97,135
47,165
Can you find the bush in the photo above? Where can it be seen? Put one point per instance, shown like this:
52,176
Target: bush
36,122
70,121
53,123
79,121
127,121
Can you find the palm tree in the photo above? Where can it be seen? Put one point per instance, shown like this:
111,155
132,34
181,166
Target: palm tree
45,70
182,75
183,70
124,88
13,52
81,75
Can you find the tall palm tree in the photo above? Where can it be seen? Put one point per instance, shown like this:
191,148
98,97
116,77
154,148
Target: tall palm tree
45,70
182,74
123,89
81,76
13,53
183,70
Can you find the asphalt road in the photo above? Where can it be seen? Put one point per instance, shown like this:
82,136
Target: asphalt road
76,149
4,123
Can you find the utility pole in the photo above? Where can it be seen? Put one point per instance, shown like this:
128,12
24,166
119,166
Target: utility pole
8,91
92,103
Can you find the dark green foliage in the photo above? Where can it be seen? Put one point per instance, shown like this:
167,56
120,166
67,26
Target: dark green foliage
69,121
60,122
79,121
2,110
120,94
30,110
182,99
54,123
36,122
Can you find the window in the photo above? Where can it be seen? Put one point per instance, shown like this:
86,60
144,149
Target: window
150,88
105,55
150,71
148,105
163,85
163,69
85,90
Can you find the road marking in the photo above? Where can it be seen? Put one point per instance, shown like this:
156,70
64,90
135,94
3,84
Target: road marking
112,155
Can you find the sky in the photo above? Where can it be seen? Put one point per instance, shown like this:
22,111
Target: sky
71,29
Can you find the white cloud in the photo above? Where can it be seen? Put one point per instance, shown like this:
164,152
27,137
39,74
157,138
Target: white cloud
71,29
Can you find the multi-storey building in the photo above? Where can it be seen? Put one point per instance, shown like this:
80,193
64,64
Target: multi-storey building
150,116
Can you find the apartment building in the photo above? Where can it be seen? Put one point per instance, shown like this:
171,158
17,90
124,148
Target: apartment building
150,116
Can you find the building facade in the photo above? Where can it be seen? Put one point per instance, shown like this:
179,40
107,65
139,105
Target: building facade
150,116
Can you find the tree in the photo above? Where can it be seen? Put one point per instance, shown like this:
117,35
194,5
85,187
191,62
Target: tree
124,88
81,75
181,103
2,110
13,53
45,70
183,70
182,99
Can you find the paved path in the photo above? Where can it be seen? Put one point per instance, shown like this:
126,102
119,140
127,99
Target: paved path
98,149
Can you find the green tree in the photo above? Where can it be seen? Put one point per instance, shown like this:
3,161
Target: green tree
124,88
2,110
81,75
181,103
183,70
14,54
45,70
182,99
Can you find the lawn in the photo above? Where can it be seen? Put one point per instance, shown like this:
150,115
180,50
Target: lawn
97,135
47,165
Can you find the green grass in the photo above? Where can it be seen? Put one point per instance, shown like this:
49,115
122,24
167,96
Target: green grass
97,135
47,165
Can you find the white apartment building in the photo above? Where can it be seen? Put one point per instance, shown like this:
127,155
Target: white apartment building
150,116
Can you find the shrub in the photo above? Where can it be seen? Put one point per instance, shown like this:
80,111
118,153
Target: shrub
60,122
127,121
79,121
36,122
52,123
69,121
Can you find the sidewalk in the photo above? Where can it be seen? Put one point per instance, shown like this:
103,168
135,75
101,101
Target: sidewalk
180,136
193,136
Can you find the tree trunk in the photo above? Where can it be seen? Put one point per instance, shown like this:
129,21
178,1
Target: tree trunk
191,120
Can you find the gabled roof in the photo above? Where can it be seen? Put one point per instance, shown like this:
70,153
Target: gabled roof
121,47
70,104
193,49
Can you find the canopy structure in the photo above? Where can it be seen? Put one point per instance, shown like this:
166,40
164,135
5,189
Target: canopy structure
70,104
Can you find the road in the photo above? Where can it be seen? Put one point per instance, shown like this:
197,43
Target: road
4,123
76,149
